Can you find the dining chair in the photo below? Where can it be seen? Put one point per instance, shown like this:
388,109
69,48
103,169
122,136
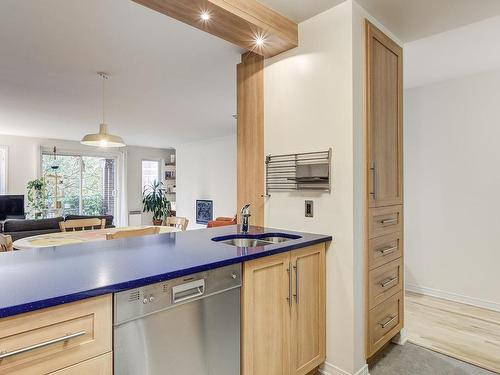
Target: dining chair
177,222
133,233
6,243
82,224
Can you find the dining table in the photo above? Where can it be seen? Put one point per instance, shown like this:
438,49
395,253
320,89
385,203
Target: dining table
75,237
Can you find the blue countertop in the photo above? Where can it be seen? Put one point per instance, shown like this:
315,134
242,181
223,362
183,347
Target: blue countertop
39,278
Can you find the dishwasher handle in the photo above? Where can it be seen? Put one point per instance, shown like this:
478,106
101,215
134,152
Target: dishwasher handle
187,291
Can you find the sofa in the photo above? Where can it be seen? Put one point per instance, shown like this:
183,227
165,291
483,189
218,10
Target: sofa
221,222
18,229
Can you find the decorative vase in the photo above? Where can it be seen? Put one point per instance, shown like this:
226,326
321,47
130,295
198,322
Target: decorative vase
157,222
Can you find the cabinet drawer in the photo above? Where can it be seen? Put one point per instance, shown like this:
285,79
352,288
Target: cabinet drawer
385,249
384,322
384,282
384,220
47,340
102,365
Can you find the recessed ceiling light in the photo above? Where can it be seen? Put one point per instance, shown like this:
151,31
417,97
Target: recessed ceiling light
205,16
259,41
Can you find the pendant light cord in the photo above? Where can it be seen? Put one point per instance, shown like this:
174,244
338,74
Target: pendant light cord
103,88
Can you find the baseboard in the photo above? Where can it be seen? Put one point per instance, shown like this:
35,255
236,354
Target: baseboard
401,338
329,369
453,297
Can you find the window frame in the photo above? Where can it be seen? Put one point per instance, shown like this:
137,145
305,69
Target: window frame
159,177
81,155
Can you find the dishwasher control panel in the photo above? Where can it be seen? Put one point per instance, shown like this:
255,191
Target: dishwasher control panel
135,303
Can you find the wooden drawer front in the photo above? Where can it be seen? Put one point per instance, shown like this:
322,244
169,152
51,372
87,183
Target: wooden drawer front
385,249
87,324
384,282
384,322
385,220
102,365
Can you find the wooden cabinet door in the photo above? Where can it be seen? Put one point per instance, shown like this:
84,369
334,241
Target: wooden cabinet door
384,119
266,310
308,339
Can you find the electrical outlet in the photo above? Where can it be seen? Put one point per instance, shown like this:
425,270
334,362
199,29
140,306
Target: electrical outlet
309,209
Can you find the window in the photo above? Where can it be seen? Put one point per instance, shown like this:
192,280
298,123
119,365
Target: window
150,172
80,185
3,169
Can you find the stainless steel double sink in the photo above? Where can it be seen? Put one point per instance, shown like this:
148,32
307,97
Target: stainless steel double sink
255,240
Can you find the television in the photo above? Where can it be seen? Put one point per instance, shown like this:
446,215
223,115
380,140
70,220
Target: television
11,207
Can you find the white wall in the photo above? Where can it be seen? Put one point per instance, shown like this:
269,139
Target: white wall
452,185
23,160
206,170
453,54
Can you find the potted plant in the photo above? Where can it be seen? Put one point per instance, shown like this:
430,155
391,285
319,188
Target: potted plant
37,197
155,200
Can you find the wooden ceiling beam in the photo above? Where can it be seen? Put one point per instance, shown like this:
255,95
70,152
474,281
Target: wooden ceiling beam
239,22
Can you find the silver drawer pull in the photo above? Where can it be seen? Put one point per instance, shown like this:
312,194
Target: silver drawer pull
389,320
383,284
388,221
289,298
70,336
388,250
187,291
296,269
373,169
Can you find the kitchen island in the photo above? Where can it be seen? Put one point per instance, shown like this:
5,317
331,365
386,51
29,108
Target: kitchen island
36,284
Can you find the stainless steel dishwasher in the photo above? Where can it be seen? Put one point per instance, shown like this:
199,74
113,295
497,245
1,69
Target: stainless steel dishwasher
184,326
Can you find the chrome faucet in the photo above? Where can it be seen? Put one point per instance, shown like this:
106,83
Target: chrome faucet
245,214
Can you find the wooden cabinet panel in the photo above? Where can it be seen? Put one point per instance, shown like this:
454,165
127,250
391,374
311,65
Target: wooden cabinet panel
102,365
308,339
266,312
283,320
384,119
385,220
384,282
384,322
86,324
385,249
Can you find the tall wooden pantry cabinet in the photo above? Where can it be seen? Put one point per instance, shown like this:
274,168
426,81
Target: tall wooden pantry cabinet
384,191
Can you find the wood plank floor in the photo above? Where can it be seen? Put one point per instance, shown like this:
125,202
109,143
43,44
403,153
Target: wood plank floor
461,331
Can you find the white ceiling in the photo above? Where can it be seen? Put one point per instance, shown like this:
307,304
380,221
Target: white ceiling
169,83
407,19
300,10
461,52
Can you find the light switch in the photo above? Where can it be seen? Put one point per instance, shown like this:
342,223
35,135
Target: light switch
309,211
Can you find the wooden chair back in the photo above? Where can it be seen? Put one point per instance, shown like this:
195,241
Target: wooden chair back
82,224
177,222
6,243
133,233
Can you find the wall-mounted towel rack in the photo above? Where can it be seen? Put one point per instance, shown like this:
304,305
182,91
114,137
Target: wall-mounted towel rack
303,171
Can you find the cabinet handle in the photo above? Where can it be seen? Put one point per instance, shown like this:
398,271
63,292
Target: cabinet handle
388,250
388,221
41,345
389,281
389,320
373,169
296,269
289,270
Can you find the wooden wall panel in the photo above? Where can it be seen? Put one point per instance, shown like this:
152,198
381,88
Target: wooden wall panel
250,135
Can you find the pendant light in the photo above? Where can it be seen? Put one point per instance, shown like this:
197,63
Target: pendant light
103,138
